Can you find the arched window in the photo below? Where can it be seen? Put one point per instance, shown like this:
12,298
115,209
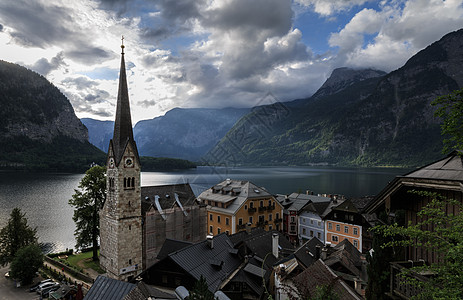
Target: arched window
133,182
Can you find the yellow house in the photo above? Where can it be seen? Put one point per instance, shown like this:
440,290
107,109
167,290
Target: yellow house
232,204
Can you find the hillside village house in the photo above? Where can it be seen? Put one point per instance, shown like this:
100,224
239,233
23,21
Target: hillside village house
296,219
311,223
445,177
135,220
234,204
344,222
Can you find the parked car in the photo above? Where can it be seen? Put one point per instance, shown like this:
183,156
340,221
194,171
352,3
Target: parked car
46,292
47,285
36,286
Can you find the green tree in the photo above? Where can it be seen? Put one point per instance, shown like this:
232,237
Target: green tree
15,235
201,290
87,201
378,268
445,238
26,263
450,110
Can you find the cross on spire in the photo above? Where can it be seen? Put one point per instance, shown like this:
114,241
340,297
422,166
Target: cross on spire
122,45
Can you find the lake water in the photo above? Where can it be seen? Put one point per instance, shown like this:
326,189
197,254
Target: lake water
44,197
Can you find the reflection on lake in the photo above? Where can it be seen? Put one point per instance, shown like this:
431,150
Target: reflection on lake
44,197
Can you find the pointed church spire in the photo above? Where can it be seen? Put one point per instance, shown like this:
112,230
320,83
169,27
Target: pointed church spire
123,133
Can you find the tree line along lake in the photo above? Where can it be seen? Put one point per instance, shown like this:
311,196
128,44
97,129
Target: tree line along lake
44,196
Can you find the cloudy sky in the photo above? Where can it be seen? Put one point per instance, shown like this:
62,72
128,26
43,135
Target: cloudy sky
211,53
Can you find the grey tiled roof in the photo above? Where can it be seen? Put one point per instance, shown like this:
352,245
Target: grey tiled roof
171,246
143,292
105,288
448,168
196,260
319,274
306,254
234,192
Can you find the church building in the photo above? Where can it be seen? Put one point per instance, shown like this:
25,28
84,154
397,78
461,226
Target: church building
135,220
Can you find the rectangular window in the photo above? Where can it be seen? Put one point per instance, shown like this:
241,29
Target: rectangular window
218,219
277,215
211,231
356,244
319,235
338,227
270,227
334,238
356,231
210,217
330,226
240,221
227,221
270,217
303,231
261,219
311,221
311,233
346,229
319,223
293,228
218,230
250,220
293,219
251,204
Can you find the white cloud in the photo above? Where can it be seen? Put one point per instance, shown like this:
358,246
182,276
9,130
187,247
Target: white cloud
329,7
399,29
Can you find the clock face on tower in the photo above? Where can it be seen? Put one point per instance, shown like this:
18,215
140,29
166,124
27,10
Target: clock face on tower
111,162
128,162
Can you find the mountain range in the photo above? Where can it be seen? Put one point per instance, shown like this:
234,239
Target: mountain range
375,119
357,118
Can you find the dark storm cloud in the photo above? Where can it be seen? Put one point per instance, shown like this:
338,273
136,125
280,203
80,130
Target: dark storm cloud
252,16
97,96
80,83
34,24
146,103
90,55
1,27
44,67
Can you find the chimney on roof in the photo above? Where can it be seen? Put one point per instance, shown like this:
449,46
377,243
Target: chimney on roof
248,228
210,241
324,253
275,237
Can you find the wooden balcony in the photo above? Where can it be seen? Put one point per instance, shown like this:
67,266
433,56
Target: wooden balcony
271,207
399,286
252,210
262,208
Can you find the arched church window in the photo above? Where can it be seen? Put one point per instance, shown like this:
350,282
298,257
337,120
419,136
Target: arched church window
133,181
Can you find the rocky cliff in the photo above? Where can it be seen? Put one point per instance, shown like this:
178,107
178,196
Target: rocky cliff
38,126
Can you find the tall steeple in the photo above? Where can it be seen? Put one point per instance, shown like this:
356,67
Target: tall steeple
121,244
123,133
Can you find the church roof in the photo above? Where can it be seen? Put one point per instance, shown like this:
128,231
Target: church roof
166,194
123,132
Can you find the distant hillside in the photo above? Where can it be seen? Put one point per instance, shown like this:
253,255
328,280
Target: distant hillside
99,132
370,121
38,127
186,133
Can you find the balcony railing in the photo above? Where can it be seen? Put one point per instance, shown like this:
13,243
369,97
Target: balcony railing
252,210
271,207
279,220
400,286
261,223
262,208
242,226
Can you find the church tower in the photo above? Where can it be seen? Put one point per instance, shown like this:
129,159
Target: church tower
120,217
